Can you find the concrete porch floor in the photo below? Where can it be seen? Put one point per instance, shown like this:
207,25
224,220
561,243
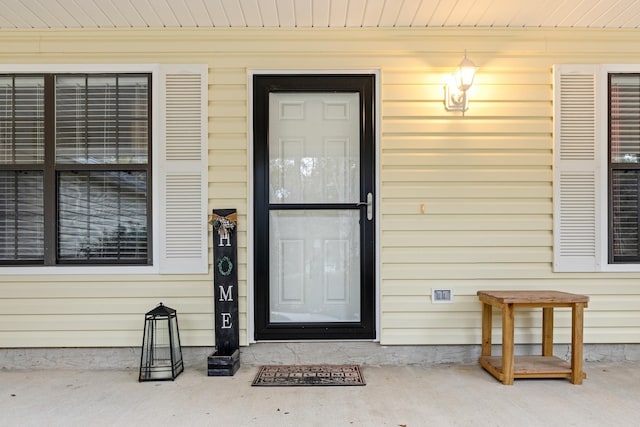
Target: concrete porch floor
438,395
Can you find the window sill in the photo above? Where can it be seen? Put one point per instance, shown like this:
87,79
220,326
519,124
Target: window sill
620,268
79,270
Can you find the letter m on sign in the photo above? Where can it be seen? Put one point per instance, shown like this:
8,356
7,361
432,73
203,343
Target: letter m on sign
225,295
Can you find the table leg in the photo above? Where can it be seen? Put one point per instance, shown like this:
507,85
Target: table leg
508,357
486,329
577,324
547,331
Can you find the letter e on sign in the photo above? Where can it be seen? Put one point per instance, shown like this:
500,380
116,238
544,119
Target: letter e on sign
226,320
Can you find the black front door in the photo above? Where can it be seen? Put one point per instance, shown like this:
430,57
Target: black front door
314,163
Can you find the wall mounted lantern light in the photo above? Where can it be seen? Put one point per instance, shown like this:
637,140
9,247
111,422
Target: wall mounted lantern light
455,90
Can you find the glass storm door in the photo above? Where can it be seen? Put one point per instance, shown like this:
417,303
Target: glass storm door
314,213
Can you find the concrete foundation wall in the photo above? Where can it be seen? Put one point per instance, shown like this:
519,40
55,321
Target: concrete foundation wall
365,353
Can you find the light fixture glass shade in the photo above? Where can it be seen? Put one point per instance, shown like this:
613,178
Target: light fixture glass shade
456,97
465,74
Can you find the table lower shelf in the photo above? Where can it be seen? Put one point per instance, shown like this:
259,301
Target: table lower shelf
529,367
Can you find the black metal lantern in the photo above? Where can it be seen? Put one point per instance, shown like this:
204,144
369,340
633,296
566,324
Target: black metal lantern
161,353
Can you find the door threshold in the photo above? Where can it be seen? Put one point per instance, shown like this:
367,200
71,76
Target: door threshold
286,341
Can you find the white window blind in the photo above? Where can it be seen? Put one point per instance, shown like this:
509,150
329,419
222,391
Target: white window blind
21,187
21,119
21,216
102,121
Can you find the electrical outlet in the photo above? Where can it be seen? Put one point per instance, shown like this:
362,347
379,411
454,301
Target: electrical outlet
441,296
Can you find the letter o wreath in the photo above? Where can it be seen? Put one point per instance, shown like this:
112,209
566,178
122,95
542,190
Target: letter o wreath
221,266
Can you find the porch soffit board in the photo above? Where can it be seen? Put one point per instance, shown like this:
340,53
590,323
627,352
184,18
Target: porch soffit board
59,14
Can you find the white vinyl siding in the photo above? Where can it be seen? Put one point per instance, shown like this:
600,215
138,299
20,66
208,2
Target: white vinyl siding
485,179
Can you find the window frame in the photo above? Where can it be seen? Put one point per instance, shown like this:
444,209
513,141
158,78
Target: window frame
616,166
155,161
52,169
603,119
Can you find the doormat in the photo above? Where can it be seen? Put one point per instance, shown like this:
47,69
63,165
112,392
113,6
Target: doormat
309,375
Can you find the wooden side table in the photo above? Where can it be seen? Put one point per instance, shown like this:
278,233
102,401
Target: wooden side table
508,366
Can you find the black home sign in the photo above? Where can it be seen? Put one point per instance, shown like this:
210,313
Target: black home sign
225,361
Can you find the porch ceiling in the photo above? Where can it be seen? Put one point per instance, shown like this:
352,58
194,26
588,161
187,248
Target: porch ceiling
42,14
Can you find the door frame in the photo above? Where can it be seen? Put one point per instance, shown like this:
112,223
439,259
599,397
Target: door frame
251,265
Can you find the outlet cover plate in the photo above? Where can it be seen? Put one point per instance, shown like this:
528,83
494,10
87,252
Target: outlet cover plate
441,296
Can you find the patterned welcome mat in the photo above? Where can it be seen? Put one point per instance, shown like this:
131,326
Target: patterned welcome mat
301,375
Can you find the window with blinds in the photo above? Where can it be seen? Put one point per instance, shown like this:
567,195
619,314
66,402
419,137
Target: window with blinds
75,174
624,167
21,169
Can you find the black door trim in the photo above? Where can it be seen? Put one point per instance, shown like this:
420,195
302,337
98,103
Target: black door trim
364,84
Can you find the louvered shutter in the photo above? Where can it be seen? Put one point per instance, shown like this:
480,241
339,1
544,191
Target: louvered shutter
183,170
576,172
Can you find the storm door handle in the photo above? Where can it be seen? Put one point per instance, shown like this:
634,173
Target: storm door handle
369,205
